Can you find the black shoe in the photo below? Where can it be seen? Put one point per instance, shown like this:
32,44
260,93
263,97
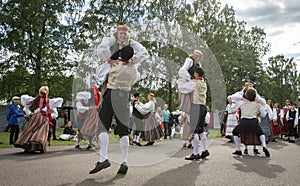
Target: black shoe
267,153
189,146
123,168
1,142
77,147
138,144
255,151
292,141
237,152
204,154
89,147
100,166
193,157
246,151
149,143
231,141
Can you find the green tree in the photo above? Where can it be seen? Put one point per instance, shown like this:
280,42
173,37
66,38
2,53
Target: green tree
39,36
283,78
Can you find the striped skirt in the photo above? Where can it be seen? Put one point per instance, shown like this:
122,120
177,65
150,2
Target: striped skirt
34,137
90,124
152,130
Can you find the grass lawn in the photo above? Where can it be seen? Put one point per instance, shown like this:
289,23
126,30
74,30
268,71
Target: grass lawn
4,137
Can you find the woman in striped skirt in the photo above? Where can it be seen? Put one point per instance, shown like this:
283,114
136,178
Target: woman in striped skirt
152,130
35,135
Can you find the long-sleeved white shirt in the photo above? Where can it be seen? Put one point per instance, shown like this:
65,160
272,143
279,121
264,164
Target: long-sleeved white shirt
145,108
104,54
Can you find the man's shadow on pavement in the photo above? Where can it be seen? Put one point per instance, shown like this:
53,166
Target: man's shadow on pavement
93,182
184,175
259,165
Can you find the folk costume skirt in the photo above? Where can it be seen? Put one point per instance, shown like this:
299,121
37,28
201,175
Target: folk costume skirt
152,130
90,124
249,130
34,137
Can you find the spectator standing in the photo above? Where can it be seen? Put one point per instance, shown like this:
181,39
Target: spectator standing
13,118
165,120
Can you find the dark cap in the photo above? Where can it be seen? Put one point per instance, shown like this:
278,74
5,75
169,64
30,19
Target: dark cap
136,95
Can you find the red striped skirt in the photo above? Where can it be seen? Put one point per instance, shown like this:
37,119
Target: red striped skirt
90,125
34,137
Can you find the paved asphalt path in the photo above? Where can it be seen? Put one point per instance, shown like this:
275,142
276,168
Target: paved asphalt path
161,164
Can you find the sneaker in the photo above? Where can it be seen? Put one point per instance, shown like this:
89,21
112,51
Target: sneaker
77,147
193,157
100,166
123,168
204,154
237,152
246,151
255,151
267,153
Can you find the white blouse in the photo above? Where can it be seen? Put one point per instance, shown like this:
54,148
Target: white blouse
145,108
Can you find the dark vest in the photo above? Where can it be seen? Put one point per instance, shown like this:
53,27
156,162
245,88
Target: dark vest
292,114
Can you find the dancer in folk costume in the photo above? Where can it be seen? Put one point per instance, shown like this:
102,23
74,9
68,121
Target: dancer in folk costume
249,138
152,130
277,123
292,118
35,135
273,121
109,48
298,117
87,117
138,120
232,119
186,130
115,103
198,112
266,122
186,87
284,122
250,109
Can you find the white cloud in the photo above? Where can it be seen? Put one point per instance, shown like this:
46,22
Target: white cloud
279,18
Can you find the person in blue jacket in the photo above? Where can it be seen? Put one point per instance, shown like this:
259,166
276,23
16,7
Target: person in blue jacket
13,118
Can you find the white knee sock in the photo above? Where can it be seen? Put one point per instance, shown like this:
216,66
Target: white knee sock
78,141
196,144
103,141
90,140
237,143
124,144
263,140
138,138
203,141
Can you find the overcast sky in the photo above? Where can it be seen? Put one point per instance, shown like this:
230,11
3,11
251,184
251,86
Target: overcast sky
279,18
